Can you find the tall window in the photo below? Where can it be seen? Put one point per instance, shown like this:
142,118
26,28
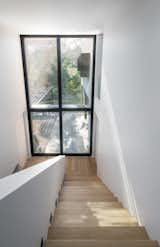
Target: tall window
59,80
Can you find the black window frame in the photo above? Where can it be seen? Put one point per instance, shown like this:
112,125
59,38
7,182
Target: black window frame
61,108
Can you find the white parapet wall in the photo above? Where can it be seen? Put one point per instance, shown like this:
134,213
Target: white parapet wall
27,199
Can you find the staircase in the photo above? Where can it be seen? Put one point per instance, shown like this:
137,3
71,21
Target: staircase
89,215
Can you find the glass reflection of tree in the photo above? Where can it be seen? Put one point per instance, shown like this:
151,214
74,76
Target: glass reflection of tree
73,133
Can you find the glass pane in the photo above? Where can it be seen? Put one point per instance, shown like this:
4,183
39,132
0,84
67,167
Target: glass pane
76,69
45,132
41,61
76,132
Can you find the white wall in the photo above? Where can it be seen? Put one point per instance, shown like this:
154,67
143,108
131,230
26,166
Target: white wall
128,135
12,103
26,200
127,147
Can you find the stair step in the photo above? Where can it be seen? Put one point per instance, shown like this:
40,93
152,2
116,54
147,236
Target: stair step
93,212
80,189
81,178
89,221
88,205
101,233
88,198
86,192
92,184
88,187
101,243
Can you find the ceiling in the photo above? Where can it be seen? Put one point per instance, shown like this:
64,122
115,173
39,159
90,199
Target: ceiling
47,16
67,16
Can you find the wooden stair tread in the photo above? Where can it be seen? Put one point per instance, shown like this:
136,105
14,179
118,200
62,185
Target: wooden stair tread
89,199
94,211
78,189
105,198
101,243
83,220
81,178
86,193
83,183
88,205
87,196
107,233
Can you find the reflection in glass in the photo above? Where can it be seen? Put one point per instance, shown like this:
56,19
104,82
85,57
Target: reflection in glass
76,69
76,132
45,132
41,61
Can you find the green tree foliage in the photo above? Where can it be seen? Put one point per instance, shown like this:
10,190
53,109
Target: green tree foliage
43,73
71,82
